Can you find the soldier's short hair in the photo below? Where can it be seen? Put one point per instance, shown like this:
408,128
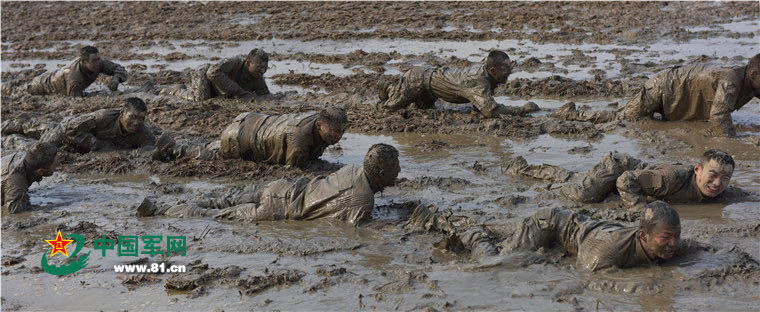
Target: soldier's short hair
719,156
658,212
258,54
134,104
754,63
495,57
333,116
379,157
87,51
40,155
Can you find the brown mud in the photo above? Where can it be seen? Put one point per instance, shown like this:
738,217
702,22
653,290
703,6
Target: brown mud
451,156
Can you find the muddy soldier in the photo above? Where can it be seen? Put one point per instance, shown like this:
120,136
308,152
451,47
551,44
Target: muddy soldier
420,87
21,169
290,139
231,78
346,195
637,181
102,130
73,79
596,244
694,92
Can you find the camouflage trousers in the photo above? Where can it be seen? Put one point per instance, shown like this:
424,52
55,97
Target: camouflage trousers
198,90
44,132
591,187
242,205
412,89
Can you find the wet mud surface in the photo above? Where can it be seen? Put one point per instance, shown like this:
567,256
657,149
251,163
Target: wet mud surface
594,54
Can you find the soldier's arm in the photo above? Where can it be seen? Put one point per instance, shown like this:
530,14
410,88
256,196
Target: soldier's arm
16,197
481,98
720,113
79,132
115,70
635,186
217,74
76,89
260,87
146,137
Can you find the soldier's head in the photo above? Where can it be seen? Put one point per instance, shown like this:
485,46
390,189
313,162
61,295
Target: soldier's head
42,159
713,172
381,166
132,115
257,62
659,230
90,59
753,74
331,124
498,66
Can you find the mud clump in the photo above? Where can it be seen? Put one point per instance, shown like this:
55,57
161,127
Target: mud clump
90,231
257,284
200,276
132,281
425,181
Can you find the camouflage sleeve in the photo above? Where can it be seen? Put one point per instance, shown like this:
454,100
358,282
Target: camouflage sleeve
260,87
76,88
635,186
218,76
145,137
298,147
723,104
115,70
480,97
15,195
79,131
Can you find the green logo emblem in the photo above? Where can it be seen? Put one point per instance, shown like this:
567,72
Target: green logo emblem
59,246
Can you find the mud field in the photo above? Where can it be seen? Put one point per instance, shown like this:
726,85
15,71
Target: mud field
594,54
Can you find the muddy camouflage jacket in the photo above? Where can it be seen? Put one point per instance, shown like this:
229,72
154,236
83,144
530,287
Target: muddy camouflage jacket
16,183
344,195
73,79
673,184
231,79
89,132
289,139
464,85
701,92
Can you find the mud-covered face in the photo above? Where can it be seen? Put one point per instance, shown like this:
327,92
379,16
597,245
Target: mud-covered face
50,169
388,178
500,71
663,241
132,121
93,63
713,178
331,134
257,68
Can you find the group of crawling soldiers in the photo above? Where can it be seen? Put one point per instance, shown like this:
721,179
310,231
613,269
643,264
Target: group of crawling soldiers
686,93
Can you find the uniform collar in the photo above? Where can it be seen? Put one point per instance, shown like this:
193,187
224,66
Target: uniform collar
694,187
641,256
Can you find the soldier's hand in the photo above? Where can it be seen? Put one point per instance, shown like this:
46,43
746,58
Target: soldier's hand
248,97
113,85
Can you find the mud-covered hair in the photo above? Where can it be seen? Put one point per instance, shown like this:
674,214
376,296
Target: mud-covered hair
333,116
495,57
754,63
658,212
379,157
40,155
134,104
85,53
719,156
258,54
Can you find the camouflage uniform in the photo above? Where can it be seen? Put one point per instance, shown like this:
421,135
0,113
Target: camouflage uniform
290,139
635,180
694,92
89,132
344,195
228,78
596,244
72,79
16,182
422,86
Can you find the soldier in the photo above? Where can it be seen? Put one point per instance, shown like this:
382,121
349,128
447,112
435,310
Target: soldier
422,86
21,169
694,92
291,139
102,130
231,78
636,181
72,79
596,244
346,195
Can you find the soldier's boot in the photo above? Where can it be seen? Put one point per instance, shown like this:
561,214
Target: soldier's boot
382,90
164,148
148,209
15,125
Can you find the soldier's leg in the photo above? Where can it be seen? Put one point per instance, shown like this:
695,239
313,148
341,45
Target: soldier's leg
598,182
405,91
249,212
16,142
167,149
251,194
646,102
570,112
23,124
479,242
519,166
535,231
39,85
148,209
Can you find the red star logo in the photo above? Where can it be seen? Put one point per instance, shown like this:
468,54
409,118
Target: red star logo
59,245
